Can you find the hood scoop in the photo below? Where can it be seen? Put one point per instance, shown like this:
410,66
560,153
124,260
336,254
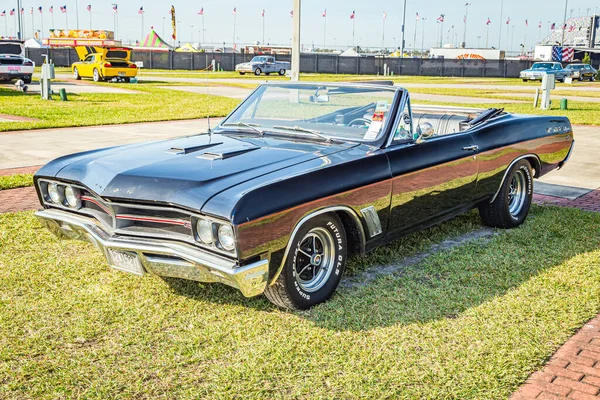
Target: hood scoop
228,153
192,149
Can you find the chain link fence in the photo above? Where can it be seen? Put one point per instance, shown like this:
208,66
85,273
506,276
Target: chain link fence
310,62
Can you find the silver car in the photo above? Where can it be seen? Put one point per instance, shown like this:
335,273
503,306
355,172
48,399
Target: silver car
263,64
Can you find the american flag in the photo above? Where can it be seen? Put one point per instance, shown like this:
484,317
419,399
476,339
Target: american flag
22,10
3,14
418,17
540,25
384,15
234,10
563,54
31,11
12,12
441,18
201,12
526,23
553,26
262,14
89,7
115,8
489,21
324,13
51,10
508,21
292,13
353,15
40,9
63,9
141,10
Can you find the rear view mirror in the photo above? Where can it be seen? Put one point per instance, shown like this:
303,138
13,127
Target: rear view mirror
319,98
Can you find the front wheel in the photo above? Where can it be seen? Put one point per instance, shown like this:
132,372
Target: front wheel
76,74
96,75
511,206
257,71
281,72
313,267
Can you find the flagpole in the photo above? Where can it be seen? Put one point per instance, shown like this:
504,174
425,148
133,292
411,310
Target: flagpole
142,25
325,31
77,14
466,19
353,26
423,37
203,42
263,37
383,34
234,16
415,38
53,26
525,41
487,37
442,34
562,42
403,43
42,25
90,19
66,20
32,24
5,25
500,23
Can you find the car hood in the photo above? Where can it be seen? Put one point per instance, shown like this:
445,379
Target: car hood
186,171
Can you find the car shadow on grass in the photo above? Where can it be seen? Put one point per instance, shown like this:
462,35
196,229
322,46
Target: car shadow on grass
445,284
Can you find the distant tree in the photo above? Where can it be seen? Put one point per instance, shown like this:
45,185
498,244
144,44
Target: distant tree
587,59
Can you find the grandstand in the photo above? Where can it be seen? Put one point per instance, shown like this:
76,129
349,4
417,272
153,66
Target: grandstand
581,32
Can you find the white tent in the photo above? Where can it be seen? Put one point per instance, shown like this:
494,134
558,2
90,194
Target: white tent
350,53
33,44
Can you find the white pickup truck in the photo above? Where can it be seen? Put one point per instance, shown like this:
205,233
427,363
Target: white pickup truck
263,64
13,64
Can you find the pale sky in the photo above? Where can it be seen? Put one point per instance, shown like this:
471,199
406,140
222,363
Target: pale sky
218,20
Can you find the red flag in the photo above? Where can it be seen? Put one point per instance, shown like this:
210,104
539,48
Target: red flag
352,15
262,14
201,12
508,21
292,13
540,25
526,23
89,7
489,21
324,13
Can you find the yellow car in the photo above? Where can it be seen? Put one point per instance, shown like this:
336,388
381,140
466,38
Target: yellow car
104,63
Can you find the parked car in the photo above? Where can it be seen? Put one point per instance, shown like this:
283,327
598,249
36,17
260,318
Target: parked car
13,63
104,63
295,180
582,71
539,69
263,64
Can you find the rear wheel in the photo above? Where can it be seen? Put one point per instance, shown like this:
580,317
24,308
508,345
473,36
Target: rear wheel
267,73
76,74
511,206
257,71
96,75
282,72
27,79
242,73
525,80
313,267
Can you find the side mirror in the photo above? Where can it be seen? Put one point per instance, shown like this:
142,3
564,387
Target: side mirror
425,131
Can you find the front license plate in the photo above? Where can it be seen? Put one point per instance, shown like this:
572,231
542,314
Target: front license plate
125,261
121,73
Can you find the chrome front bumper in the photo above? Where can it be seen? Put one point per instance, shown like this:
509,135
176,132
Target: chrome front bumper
162,258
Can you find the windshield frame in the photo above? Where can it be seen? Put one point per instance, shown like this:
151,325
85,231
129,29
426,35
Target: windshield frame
399,99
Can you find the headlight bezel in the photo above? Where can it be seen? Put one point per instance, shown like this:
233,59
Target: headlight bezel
229,243
216,242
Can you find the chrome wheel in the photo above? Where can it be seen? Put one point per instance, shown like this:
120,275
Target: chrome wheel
517,193
314,260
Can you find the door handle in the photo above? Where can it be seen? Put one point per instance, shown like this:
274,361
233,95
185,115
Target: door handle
471,148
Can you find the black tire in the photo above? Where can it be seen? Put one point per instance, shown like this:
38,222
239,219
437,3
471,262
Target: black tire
525,80
242,73
27,79
511,206
281,72
127,80
294,289
97,77
267,73
257,71
76,74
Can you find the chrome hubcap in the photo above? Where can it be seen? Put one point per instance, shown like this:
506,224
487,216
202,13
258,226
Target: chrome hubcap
517,193
314,260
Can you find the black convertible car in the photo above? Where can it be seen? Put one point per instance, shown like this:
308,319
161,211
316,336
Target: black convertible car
294,181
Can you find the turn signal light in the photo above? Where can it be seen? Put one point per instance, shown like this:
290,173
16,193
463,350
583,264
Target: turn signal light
107,65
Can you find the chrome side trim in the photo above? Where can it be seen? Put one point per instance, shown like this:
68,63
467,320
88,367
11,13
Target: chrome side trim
162,258
372,220
508,169
311,215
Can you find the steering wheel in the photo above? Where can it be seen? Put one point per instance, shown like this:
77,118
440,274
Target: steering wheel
359,123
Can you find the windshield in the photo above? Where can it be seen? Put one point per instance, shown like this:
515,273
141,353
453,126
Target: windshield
10,48
542,66
259,59
575,67
352,113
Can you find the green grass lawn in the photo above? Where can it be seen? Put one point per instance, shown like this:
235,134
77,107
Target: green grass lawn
470,322
150,104
15,181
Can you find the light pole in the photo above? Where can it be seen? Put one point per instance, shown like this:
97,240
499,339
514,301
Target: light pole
423,19
562,42
465,32
403,27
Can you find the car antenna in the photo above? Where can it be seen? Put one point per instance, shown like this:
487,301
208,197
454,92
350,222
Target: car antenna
209,106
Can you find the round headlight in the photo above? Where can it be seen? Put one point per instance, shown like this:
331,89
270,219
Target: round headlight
53,193
72,196
226,237
204,229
